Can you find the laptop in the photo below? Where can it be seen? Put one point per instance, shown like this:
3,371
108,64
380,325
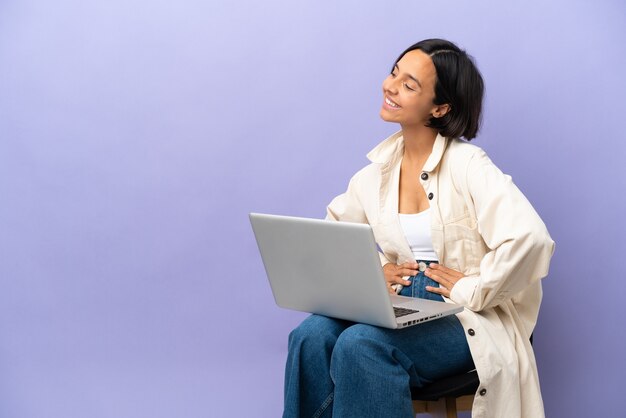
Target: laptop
333,269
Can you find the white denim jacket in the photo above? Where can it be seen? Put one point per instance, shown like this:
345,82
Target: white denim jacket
484,227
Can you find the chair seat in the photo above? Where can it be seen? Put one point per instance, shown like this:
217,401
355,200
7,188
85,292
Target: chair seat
449,387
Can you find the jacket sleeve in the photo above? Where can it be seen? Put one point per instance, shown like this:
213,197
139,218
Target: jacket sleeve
520,245
347,207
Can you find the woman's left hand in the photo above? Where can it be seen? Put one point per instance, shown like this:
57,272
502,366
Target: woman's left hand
446,278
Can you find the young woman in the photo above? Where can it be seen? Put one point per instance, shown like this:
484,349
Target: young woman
452,227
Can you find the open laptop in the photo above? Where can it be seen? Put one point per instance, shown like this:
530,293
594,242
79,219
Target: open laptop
333,269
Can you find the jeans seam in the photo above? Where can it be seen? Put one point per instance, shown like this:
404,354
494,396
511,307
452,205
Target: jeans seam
324,405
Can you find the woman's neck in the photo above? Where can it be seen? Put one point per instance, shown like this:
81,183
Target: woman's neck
418,143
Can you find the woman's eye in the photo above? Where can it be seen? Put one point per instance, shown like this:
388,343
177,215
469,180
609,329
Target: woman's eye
393,74
408,87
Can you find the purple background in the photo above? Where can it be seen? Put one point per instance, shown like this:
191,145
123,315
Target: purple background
136,135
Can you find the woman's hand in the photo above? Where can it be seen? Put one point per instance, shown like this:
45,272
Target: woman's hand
395,272
446,278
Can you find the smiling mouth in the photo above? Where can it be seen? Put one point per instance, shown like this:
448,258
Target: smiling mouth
391,103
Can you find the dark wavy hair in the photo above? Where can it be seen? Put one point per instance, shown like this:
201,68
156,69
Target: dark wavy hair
458,84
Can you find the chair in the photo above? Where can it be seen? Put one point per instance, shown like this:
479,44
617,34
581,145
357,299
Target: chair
443,398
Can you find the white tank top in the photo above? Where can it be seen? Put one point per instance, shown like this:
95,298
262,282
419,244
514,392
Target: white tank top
416,227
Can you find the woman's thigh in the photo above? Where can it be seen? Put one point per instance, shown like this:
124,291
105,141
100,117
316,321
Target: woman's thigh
431,350
320,327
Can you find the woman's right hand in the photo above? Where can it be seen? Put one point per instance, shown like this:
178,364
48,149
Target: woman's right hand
394,274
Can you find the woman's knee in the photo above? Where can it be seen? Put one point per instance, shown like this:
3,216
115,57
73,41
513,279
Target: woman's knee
357,340
359,351
316,330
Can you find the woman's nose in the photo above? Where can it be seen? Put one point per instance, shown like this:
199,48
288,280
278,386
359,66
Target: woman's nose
390,86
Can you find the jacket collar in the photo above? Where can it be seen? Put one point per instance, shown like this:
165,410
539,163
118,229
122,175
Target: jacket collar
390,151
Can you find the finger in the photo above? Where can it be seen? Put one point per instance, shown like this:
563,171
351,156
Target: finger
401,280
442,270
409,265
396,279
445,270
439,279
431,273
439,290
408,272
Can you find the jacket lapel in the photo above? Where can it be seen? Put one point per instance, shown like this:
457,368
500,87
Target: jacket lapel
389,155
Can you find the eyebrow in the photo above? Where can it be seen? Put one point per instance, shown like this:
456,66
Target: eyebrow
410,76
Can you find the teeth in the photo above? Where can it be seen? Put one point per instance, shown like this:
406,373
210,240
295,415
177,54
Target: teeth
390,103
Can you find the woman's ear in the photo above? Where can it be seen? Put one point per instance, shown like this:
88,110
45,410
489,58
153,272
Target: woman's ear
441,110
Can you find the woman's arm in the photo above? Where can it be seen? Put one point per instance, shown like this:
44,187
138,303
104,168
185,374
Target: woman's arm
347,207
520,244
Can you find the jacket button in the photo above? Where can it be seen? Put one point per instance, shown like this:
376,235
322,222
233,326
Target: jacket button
472,333
483,392
424,176
430,196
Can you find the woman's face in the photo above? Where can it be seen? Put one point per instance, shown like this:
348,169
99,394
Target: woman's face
409,91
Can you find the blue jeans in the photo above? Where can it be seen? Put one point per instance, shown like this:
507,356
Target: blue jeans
417,288
344,369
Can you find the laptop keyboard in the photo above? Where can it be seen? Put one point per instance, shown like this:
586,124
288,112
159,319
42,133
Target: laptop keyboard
403,311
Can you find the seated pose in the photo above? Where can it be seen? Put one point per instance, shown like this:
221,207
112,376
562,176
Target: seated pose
452,227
